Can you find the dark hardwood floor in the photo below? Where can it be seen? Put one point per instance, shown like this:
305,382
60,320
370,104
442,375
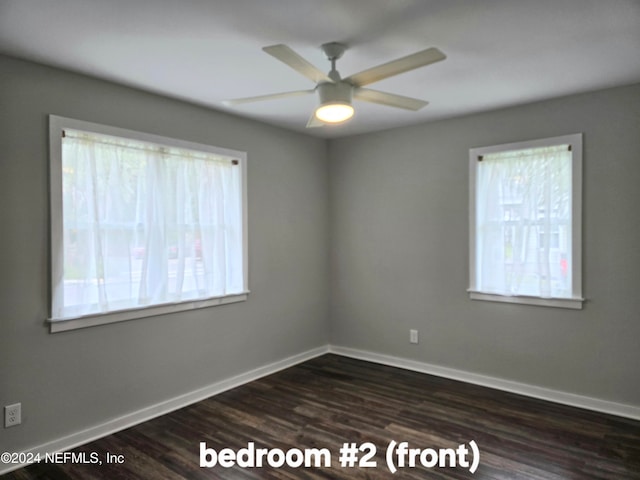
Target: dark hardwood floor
330,400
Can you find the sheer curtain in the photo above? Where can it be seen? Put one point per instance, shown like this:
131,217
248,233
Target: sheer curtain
146,225
523,222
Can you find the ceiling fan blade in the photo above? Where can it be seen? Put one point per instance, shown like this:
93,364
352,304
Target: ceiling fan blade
395,67
314,121
273,96
389,99
299,64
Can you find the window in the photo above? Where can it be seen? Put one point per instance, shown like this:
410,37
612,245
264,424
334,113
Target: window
142,225
525,222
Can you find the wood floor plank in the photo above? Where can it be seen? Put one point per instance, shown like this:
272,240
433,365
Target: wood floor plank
330,400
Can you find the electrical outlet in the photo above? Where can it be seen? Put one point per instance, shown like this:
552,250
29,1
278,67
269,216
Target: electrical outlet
12,415
413,336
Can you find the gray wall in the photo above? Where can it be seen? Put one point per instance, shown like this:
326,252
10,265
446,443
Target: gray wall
71,381
399,226
390,212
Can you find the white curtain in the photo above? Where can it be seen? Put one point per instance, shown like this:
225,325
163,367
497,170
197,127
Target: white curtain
146,225
523,222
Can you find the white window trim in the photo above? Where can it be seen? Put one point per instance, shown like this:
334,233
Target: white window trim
576,300
56,126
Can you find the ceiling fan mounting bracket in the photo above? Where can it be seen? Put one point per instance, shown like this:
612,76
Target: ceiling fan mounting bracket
333,50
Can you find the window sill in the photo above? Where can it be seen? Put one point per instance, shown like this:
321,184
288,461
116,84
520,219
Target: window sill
66,324
572,303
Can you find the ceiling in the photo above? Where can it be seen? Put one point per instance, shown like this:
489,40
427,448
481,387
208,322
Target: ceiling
499,52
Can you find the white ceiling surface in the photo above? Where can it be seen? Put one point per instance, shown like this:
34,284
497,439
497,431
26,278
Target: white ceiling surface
499,52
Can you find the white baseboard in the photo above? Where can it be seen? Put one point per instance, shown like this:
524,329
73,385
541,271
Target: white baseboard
162,408
589,403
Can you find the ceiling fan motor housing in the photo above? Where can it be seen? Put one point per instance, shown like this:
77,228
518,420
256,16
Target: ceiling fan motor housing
332,93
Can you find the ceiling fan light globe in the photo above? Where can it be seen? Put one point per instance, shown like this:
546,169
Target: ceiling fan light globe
334,112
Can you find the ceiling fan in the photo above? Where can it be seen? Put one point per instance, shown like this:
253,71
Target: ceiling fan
335,93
